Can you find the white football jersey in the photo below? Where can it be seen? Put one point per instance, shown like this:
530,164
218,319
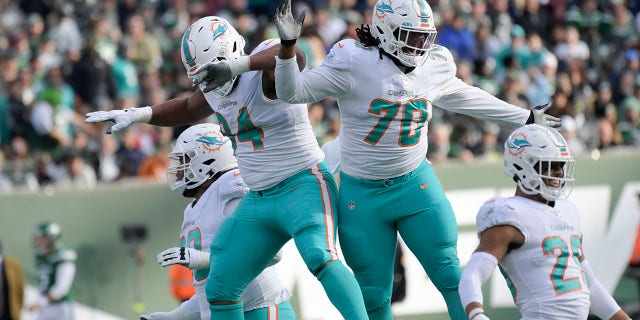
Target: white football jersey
272,139
384,111
201,222
544,274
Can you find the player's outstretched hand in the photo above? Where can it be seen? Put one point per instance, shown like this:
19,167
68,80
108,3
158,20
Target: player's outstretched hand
540,117
120,118
213,74
288,27
188,257
175,255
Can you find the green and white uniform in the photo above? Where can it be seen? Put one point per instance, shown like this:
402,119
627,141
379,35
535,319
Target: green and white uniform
56,273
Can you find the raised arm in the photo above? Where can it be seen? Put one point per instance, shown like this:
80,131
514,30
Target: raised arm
215,74
313,85
174,112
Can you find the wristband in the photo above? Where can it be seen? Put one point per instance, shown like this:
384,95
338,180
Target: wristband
476,311
140,115
198,260
288,43
239,66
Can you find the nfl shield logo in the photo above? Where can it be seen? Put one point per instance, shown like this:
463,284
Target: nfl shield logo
351,205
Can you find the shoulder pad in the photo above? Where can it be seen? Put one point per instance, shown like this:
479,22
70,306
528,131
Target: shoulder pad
65,255
341,53
441,62
495,212
232,186
265,45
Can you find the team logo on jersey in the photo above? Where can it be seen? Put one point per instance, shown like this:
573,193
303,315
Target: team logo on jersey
489,212
241,185
351,205
382,9
331,56
212,141
517,144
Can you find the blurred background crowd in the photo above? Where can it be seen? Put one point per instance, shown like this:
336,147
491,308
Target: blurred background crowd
60,59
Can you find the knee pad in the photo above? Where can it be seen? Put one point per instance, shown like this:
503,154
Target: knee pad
219,292
315,258
375,298
448,277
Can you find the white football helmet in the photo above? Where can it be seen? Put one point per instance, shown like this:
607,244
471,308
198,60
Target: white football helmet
405,29
211,39
200,152
531,154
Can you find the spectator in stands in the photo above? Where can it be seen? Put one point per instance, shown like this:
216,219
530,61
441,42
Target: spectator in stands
129,154
515,54
456,37
154,166
77,173
53,112
629,123
147,54
533,17
124,77
572,48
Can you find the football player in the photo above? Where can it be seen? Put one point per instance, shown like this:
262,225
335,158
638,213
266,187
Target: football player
203,168
56,269
385,85
535,237
292,190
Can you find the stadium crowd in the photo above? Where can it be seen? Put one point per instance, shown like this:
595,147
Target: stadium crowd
62,59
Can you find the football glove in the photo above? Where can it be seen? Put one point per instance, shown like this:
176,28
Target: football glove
120,118
188,257
156,316
541,118
288,28
216,73
477,314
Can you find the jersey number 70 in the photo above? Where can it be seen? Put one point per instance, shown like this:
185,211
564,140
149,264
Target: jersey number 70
413,115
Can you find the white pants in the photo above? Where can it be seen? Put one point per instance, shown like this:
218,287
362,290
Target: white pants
57,311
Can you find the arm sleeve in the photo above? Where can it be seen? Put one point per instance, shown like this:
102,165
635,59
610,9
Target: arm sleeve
602,303
64,278
459,97
476,272
312,85
199,259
